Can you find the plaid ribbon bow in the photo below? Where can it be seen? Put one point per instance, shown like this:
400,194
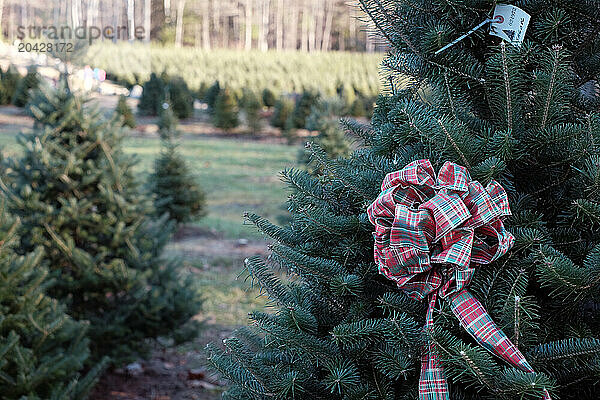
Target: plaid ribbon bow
430,235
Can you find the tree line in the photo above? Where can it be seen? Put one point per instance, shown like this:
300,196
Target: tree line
308,25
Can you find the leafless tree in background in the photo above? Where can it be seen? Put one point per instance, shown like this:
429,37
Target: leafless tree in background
179,26
307,25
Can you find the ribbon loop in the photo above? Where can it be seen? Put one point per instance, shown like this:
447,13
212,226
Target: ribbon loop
431,233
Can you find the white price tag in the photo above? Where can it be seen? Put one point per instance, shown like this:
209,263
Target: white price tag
509,23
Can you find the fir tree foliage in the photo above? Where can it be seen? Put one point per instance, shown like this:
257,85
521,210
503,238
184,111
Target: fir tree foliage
268,98
153,95
524,116
226,111
252,107
180,97
76,194
176,190
124,112
9,80
281,112
160,88
42,350
211,95
29,82
325,119
302,109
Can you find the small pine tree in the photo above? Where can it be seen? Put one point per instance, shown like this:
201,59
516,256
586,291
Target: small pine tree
357,109
226,111
268,98
281,112
153,96
26,84
200,93
251,105
9,80
303,109
212,94
348,97
324,118
124,112
180,98
175,189
77,196
42,349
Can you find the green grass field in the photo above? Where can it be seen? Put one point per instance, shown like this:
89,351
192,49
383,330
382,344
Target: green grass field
237,176
255,70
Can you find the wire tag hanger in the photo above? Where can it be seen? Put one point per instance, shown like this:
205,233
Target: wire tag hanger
509,23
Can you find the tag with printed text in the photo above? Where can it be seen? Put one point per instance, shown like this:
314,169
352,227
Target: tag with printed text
510,23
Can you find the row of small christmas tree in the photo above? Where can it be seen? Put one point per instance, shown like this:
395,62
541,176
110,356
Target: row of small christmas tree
288,112
83,279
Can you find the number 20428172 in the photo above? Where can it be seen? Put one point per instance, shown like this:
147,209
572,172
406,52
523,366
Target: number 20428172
60,47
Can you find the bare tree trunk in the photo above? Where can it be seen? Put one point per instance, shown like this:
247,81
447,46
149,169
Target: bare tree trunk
328,22
265,23
117,19
147,20
55,15
11,21
320,11
353,32
279,25
292,42
179,25
131,19
92,12
75,7
1,15
226,31
304,38
206,25
370,44
314,26
216,17
248,25
263,27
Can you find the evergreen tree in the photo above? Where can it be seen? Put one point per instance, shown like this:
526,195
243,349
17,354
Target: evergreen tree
302,109
153,96
26,84
9,80
42,349
523,116
211,95
268,98
175,188
180,98
251,105
325,119
357,108
226,111
75,191
123,111
281,112
348,97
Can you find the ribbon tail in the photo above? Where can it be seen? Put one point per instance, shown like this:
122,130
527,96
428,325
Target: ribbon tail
432,382
474,318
